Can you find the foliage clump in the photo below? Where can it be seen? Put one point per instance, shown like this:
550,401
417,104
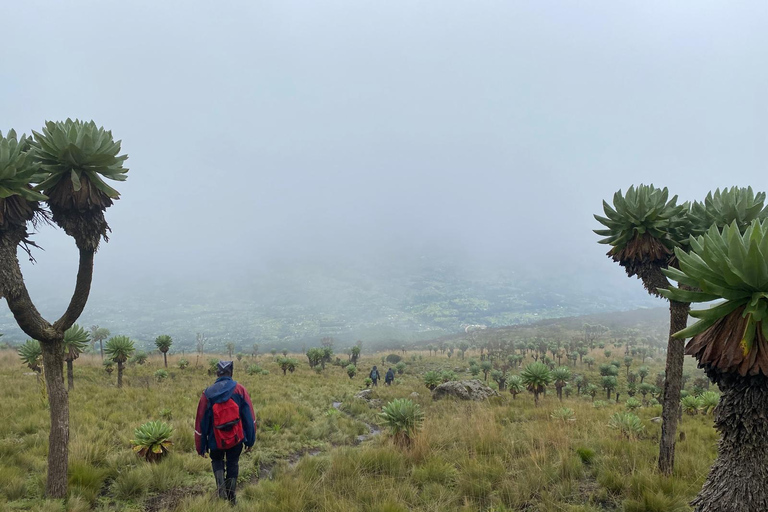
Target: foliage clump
404,418
152,440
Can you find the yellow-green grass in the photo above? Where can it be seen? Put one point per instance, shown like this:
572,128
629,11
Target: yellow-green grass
503,454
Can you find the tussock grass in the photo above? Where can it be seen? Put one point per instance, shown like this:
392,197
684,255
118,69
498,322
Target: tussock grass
501,455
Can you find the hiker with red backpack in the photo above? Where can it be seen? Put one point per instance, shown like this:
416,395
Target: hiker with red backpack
225,422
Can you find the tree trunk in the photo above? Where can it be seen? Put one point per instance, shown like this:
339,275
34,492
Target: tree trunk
165,359
736,482
58,439
559,392
119,374
678,319
608,394
70,376
101,349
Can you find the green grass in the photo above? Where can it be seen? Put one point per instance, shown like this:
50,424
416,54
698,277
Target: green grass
501,455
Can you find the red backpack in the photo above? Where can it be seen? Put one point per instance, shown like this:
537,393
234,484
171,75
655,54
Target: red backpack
227,427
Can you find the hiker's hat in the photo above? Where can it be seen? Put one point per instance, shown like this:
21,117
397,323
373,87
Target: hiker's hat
224,368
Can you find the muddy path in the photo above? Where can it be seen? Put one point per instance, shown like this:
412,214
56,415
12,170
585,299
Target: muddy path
170,499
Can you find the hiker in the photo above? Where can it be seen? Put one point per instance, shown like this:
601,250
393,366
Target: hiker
389,378
374,375
225,422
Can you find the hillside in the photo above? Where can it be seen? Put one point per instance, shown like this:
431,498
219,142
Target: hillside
383,304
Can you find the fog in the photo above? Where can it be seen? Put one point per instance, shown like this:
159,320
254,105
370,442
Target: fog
268,136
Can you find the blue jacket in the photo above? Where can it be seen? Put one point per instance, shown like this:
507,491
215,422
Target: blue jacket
220,391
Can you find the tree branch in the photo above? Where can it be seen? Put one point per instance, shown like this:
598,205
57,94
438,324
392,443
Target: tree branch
82,290
13,288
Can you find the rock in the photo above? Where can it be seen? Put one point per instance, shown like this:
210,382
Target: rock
464,390
364,394
415,395
375,403
657,419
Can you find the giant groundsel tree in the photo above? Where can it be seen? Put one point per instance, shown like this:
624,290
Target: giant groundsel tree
730,342
63,166
76,340
643,228
163,344
119,349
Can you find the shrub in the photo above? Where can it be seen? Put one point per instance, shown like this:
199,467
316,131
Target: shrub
255,369
563,414
351,370
691,405
161,375
628,424
709,400
183,363
404,419
152,440
393,358
139,357
600,404
400,367
432,380
447,376
633,404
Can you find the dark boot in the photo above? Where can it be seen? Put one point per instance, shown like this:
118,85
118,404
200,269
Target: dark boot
220,484
231,490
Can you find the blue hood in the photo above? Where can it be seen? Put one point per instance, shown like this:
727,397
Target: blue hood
221,390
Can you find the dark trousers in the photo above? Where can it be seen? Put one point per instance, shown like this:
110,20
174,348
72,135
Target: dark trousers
232,465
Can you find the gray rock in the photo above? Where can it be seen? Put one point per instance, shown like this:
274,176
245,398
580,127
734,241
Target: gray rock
415,395
364,394
464,390
375,403
657,419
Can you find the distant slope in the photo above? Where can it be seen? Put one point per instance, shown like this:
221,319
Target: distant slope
381,304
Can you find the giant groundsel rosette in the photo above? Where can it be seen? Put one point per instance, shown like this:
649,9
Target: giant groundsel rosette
730,337
77,156
18,169
643,227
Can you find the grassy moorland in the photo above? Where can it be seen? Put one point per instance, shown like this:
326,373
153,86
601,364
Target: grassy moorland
503,454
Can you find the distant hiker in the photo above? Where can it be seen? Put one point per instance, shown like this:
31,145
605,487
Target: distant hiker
374,375
225,421
389,377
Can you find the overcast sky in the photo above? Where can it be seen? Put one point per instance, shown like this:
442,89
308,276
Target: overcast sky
259,131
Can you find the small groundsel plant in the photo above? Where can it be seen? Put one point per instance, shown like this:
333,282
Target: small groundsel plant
709,400
432,379
564,414
632,404
255,369
691,405
183,363
404,418
152,440
161,375
627,424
